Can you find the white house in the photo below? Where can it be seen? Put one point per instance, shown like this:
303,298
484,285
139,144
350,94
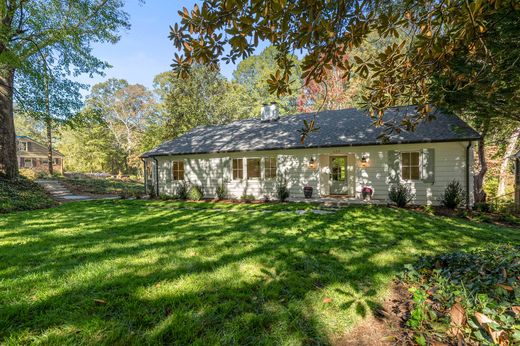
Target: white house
345,155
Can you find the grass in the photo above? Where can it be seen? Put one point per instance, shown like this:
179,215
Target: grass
105,186
22,194
208,273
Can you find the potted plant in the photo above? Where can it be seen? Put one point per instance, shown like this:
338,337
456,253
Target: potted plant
366,192
307,191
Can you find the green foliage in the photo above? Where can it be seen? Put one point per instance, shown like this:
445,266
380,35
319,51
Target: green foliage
282,191
253,74
221,191
202,273
205,98
110,186
195,193
182,190
247,198
22,194
481,284
400,194
453,195
458,43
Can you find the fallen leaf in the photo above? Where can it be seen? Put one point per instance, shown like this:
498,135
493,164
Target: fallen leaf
100,301
458,315
327,300
498,337
506,287
516,310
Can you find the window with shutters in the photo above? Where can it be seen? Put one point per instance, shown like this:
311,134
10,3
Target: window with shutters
410,165
253,169
270,167
238,169
178,170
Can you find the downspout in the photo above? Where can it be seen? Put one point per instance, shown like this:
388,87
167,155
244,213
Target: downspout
156,175
145,177
467,175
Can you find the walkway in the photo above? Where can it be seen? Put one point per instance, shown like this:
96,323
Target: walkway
62,194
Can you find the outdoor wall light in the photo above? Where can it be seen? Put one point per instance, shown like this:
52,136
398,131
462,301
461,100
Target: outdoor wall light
312,163
364,161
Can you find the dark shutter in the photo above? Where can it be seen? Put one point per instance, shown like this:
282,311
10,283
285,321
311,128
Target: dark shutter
428,165
394,160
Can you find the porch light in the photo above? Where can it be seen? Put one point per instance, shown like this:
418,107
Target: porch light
364,161
312,163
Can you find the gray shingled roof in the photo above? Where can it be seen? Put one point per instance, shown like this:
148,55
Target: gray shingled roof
346,127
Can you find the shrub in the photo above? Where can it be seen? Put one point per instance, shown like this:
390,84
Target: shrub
221,191
453,195
247,198
282,191
482,207
400,194
195,193
29,173
23,194
468,298
182,191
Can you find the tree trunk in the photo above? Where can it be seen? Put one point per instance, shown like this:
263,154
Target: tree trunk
48,123
480,194
511,145
8,159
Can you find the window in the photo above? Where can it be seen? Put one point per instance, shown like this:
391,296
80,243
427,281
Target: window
410,166
24,146
27,163
253,169
270,168
238,169
178,170
56,161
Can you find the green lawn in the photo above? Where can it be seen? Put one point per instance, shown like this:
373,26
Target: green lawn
208,273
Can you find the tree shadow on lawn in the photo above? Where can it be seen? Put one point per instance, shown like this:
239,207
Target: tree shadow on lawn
179,276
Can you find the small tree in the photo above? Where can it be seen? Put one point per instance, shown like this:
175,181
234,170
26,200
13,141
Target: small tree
282,191
453,195
400,194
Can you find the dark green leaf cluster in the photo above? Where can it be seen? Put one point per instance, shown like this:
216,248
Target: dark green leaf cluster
473,296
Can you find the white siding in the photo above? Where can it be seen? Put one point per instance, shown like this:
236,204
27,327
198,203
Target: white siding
210,170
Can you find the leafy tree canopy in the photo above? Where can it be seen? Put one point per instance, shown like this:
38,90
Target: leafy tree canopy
435,32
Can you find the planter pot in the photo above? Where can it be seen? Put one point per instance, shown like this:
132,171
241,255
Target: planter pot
307,191
367,192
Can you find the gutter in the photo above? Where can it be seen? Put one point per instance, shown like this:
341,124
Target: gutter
467,174
145,177
156,174
344,145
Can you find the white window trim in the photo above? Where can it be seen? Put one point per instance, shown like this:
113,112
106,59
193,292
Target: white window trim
183,170
261,177
23,146
25,163
244,166
275,168
401,165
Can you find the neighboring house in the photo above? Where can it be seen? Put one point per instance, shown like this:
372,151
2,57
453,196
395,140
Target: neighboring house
34,155
345,155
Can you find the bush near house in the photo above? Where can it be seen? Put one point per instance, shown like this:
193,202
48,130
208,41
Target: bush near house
400,194
23,194
195,193
453,195
470,297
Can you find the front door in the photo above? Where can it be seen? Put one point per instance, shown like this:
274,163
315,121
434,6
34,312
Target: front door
338,175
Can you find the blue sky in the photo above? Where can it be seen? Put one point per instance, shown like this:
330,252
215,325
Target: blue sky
145,50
